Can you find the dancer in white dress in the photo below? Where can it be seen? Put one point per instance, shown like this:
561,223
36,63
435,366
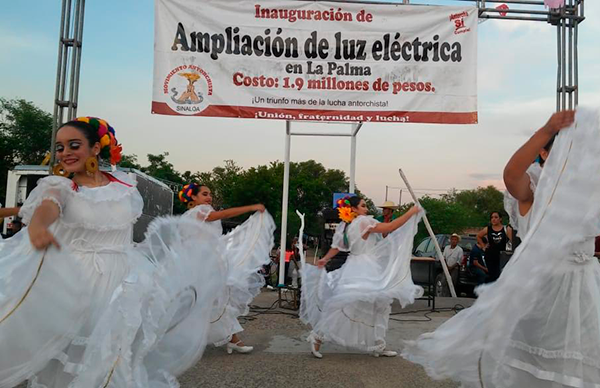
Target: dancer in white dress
76,297
243,252
351,306
538,325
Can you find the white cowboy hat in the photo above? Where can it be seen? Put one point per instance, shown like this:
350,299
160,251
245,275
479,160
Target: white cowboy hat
456,235
388,205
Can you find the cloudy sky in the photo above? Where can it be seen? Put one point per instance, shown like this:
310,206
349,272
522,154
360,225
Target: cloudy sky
516,92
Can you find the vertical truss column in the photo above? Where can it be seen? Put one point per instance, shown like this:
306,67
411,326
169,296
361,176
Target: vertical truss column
566,20
68,68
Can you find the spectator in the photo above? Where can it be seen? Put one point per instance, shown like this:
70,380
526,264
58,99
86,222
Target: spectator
14,227
498,236
389,214
453,255
477,261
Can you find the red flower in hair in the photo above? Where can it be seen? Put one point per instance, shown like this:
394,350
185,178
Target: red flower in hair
115,150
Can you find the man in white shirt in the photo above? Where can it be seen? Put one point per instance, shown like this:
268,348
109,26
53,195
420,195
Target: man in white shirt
453,254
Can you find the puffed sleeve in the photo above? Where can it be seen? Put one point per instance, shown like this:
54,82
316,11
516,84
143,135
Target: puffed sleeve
54,188
338,238
200,212
366,224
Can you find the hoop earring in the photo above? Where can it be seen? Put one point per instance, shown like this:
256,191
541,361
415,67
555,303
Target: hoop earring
59,170
91,165
190,205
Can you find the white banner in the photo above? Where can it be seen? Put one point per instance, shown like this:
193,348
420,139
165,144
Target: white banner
317,61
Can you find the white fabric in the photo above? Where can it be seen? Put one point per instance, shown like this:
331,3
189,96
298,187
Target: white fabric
243,252
538,325
201,213
351,306
157,323
453,255
520,222
74,284
338,240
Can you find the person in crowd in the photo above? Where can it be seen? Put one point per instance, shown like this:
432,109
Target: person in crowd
477,261
498,236
388,213
242,253
453,254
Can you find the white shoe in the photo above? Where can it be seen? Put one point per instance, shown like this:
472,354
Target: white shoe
385,353
240,349
314,351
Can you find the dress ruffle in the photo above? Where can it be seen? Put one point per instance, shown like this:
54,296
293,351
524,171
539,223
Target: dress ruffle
34,329
244,252
156,326
538,325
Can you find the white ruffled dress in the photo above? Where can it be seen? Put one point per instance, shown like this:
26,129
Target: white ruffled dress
242,253
538,325
351,306
97,312
519,222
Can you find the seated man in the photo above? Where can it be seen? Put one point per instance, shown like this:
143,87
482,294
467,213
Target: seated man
477,261
453,254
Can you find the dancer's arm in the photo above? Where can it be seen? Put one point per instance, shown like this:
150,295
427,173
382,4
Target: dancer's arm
9,212
234,212
515,178
328,256
389,227
42,218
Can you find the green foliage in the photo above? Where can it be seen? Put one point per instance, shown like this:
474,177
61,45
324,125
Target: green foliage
311,187
25,133
130,161
456,211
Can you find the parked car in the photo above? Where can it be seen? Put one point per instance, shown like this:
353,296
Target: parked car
426,248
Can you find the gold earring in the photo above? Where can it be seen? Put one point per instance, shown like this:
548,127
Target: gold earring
190,205
59,170
91,165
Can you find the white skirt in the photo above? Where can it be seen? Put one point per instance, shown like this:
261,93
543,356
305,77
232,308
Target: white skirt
50,303
351,306
244,251
156,326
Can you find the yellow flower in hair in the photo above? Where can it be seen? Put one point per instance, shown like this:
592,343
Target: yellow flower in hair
346,214
105,141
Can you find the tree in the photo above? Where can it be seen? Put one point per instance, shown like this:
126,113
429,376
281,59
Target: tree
25,136
480,202
130,161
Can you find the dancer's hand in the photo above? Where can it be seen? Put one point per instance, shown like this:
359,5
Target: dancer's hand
258,207
322,263
41,238
559,120
414,210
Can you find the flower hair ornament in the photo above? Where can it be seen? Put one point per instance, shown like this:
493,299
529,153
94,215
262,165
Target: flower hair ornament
185,195
110,149
345,210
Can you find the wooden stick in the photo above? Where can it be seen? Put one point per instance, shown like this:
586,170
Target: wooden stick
432,235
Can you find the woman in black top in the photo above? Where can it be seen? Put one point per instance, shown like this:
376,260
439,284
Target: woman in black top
497,236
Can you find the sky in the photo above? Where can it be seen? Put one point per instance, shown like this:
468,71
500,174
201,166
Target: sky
516,95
